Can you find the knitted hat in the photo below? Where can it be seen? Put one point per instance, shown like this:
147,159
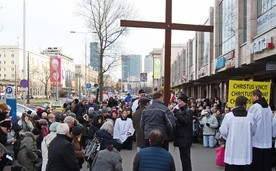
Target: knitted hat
53,127
77,130
42,122
141,91
205,112
62,128
183,98
39,110
6,123
144,101
104,110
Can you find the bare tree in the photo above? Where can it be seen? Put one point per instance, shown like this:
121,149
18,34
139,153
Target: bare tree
103,18
43,77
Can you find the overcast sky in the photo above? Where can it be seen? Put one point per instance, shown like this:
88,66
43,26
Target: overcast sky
49,22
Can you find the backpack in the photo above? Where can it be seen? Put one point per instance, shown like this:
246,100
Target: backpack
91,149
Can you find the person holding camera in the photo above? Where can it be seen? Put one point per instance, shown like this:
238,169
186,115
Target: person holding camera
183,136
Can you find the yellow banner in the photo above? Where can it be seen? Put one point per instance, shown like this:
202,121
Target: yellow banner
244,88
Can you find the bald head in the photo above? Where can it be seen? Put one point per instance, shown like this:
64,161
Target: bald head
156,138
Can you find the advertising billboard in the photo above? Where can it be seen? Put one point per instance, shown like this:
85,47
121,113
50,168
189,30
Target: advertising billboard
55,70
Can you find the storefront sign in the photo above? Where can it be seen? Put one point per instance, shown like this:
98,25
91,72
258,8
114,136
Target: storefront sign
220,62
261,44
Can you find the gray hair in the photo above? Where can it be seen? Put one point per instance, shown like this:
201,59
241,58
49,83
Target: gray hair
68,119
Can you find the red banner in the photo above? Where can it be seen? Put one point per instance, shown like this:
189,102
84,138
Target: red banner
55,69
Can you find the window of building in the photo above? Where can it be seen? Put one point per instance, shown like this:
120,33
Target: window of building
244,30
12,69
4,75
227,26
12,55
12,62
4,62
0,55
12,75
4,55
264,5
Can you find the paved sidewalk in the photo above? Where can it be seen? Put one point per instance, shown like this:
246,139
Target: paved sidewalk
203,159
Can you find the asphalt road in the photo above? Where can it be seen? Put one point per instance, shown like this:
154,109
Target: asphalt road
203,159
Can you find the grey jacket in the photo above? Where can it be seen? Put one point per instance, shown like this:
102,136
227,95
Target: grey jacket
27,154
158,116
212,120
106,160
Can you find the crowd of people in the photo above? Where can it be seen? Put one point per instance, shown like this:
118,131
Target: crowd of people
48,140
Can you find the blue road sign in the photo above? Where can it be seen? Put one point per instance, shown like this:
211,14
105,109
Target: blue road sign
9,90
88,85
24,83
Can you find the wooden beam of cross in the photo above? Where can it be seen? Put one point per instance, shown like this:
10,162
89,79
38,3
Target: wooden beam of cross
168,26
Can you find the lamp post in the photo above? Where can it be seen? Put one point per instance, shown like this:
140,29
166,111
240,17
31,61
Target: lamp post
85,53
24,48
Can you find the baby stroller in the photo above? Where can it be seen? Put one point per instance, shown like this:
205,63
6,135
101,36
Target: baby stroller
91,149
100,141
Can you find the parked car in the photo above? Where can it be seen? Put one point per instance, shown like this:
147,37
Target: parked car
22,109
58,106
30,96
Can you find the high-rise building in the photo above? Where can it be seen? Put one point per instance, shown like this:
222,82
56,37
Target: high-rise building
94,60
148,64
131,67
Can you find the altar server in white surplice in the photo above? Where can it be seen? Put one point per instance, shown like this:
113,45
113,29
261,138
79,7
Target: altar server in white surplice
274,128
123,130
238,129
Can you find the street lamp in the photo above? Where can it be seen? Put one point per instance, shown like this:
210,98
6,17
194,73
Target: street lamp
85,53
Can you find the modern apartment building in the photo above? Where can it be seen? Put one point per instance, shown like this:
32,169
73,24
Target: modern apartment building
131,69
94,60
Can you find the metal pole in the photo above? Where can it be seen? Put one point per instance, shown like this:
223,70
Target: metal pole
28,77
15,82
24,46
79,87
56,86
85,61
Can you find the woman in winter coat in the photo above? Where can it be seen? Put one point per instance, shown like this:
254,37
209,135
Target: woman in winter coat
78,149
95,126
27,154
45,144
108,159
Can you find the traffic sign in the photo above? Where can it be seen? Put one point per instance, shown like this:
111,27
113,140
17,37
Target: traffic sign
9,92
88,85
24,83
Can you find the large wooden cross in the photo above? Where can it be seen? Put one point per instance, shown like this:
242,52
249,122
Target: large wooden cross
168,26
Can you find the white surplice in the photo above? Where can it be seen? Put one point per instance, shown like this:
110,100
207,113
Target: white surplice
238,132
123,129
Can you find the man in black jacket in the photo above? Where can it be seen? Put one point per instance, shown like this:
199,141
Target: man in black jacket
61,155
183,136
